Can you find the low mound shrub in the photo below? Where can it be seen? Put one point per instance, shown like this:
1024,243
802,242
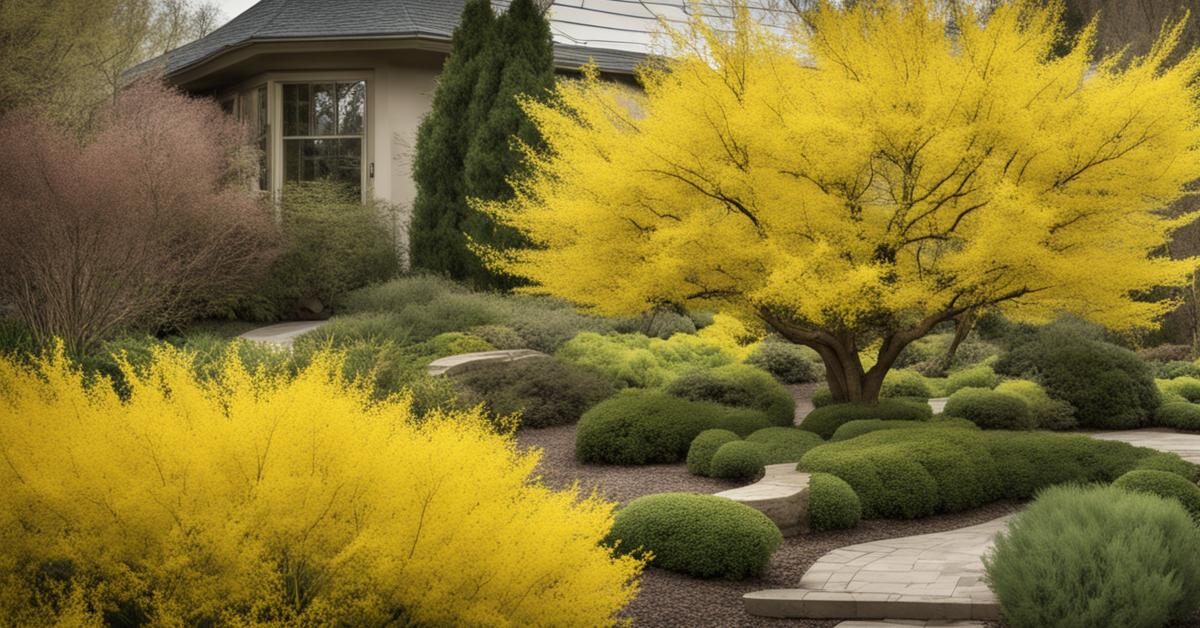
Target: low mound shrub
703,536
789,363
905,383
855,429
1180,368
361,508
637,361
645,427
990,409
832,504
1186,387
1109,387
1181,415
825,420
703,447
822,396
544,391
981,376
499,336
1164,484
1096,556
738,385
907,473
1171,463
789,437
738,460
1047,413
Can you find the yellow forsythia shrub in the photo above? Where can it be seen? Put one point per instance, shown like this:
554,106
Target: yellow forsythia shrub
253,499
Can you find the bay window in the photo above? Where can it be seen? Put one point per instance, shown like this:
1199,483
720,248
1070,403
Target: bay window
323,124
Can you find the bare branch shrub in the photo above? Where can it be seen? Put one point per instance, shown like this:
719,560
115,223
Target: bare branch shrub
143,225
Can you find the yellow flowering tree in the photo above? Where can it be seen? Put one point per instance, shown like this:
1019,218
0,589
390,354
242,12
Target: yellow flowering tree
865,178
260,500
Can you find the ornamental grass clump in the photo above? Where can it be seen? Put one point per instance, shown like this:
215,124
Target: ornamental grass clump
252,498
1079,557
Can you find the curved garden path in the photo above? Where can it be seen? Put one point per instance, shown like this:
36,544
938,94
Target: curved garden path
283,334
1185,444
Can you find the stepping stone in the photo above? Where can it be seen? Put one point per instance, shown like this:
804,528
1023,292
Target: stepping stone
936,576
283,334
781,495
900,623
462,362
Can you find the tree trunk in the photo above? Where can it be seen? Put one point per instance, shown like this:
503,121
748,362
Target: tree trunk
962,326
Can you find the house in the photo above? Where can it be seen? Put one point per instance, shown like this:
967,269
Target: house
338,87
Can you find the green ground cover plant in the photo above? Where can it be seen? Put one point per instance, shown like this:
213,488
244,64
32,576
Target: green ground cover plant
825,420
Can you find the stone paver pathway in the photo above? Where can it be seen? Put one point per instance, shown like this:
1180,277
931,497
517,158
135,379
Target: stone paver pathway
900,623
1185,444
929,576
455,364
283,334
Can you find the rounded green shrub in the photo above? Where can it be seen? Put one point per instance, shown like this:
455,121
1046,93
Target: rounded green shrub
703,536
1177,368
990,409
1186,387
789,363
866,426
738,385
1096,556
703,447
1164,484
637,361
639,426
1047,413
825,420
545,391
499,336
832,504
822,396
1109,387
1171,463
738,460
981,376
905,383
1181,415
786,437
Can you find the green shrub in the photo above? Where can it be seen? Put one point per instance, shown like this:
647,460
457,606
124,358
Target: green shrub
658,323
1164,484
703,447
990,409
1174,369
1047,413
333,244
981,376
905,473
905,383
789,363
645,427
1171,463
738,385
546,323
703,536
1181,415
16,339
1186,387
1096,556
825,420
822,396
544,390
1109,387
786,437
832,504
499,336
641,362
854,429
738,460
399,293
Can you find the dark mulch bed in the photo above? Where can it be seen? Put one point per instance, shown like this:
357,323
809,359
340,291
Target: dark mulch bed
668,599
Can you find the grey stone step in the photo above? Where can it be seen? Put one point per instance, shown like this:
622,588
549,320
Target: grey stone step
782,495
462,362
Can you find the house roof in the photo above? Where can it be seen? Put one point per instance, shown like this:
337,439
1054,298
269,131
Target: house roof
282,20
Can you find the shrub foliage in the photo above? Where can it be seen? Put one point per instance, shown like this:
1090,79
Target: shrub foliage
825,420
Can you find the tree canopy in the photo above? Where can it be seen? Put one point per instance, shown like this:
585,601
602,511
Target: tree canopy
855,183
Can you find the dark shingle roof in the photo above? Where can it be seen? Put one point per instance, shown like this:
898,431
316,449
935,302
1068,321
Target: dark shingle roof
345,19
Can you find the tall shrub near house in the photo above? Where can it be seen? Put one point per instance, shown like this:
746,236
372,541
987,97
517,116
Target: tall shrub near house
520,63
145,223
264,500
935,174
436,240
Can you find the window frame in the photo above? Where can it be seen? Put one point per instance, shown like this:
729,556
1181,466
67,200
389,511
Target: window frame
280,139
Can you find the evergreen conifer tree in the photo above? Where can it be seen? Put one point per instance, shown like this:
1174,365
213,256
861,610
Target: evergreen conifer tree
436,241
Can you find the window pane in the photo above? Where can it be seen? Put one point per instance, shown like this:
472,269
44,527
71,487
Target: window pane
324,110
295,110
351,101
314,159
291,159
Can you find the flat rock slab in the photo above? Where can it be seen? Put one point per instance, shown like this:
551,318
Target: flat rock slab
901,623
935,576
1186,444
455,364
283,334
938,404
781,495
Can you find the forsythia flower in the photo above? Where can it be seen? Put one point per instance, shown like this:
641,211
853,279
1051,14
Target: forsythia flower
257,499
